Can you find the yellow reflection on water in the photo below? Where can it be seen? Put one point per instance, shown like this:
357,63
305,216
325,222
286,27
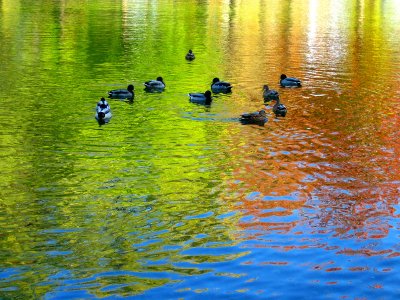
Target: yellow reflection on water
165,165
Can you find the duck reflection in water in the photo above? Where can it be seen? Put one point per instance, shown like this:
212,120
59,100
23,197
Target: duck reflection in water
258,118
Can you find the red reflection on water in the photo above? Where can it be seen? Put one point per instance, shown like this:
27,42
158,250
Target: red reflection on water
344,181
365,252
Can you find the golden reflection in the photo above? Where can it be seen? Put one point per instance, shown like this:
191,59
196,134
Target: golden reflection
10,13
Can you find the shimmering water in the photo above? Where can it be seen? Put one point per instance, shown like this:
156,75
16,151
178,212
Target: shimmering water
172,200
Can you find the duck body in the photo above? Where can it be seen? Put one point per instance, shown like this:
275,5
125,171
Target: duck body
259,118
279,109
289,81
190,55
218,86
122,93
269,94
201,98
103,111
157,85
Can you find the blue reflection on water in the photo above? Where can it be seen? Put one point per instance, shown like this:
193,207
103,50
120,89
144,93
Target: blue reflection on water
172,200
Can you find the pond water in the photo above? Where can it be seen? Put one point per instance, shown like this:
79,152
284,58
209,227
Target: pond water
173,200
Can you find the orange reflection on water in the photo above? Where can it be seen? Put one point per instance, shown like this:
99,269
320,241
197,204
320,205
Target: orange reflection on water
343,184
333,164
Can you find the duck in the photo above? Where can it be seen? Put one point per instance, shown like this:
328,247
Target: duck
122,93
289,81
218,86
269,94
157,85
279,109
190,55
259,118
103,111
201,98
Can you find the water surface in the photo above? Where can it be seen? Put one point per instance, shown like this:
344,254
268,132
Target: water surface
172,200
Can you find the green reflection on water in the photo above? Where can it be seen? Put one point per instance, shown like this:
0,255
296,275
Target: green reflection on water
89,199
99,190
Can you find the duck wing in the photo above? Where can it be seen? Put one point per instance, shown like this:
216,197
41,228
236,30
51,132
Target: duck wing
253,118
290,81
223,83
155,84
120,94
280,110
271,95
246,116
221,86
119,91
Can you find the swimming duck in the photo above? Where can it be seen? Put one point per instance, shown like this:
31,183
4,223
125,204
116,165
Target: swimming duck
157,85
103,111
289,81
279,109
190,55
201,98
218,86
122,93
269,94
259,118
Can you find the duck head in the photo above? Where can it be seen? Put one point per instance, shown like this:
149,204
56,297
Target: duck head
216,79
101,115
160,79
283,76
130,88
207,94
266,87
102,104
